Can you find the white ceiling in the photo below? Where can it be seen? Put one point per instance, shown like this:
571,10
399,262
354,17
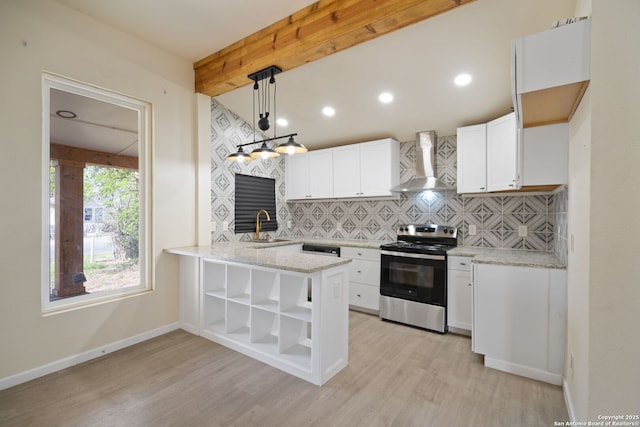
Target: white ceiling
417,64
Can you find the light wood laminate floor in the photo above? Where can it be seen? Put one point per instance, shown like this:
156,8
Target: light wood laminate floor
397,376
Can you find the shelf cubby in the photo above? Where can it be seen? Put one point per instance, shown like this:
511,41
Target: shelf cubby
238,284
295,341
214,314
238,321
265,291
265,328
214,278
294,297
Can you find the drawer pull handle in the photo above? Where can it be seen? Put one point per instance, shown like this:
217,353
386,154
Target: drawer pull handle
463,263
358,295
359,271
470,284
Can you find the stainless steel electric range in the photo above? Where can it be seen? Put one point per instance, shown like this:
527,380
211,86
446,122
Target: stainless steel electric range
413,276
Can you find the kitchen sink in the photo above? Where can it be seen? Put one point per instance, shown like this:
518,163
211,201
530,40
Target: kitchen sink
268,240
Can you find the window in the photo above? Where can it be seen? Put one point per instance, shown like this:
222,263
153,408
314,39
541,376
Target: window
96,195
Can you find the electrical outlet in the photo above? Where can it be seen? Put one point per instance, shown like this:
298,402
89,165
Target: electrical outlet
338,226
225,225
472,230
289,224
522,230
214,225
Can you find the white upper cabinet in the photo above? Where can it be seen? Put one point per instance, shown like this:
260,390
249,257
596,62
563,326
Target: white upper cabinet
489,156
502,154
309,175
550,72
346,171
545,155
368,169
472,152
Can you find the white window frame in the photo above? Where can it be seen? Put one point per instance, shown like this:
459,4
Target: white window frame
144,109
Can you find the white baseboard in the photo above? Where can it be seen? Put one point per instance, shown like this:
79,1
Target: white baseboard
67,362
568,401
525,371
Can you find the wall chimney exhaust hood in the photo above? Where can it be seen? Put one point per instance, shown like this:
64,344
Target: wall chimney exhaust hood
425,176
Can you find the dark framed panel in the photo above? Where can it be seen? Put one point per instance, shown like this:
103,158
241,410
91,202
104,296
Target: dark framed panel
254,193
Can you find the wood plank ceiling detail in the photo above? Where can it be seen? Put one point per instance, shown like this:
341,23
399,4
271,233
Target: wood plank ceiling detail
323,28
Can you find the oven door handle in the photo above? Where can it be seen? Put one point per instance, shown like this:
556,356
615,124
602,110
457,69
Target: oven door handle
412,255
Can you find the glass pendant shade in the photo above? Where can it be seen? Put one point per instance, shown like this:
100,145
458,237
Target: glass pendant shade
264,152
291,147
240,156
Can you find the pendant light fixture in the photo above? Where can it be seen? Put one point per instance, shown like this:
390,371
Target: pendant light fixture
263,82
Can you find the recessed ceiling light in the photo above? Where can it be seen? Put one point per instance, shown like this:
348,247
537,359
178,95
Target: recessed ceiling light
65,114
282,122
462,79
385,97
328,111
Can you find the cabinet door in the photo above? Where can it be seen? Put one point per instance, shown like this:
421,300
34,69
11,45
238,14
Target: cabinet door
511,310
377,168
502,154
320,174
297,174
346,171
459,292
472,154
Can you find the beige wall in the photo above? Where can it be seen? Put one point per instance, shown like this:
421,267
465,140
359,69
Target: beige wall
37,36
604,290
577,378
614,294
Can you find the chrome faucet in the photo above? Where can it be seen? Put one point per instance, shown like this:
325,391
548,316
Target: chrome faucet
258,222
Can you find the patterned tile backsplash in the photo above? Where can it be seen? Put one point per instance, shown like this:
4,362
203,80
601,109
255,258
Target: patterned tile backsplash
497,219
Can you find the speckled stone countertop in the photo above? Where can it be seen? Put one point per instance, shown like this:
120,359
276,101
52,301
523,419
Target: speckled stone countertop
512,257
254,254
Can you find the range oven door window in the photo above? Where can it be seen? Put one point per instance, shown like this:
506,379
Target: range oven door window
416,279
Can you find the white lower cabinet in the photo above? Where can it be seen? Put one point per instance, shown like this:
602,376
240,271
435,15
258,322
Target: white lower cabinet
265,313
459,294
364,278
519,319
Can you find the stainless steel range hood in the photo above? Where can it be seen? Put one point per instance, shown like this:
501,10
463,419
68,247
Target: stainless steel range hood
425,177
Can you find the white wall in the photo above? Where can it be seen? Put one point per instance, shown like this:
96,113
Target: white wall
44,35
614,294
578,258
604,290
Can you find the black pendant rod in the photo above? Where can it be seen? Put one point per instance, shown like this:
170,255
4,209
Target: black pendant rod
266,140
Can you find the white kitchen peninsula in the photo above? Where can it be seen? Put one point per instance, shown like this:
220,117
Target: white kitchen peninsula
256,301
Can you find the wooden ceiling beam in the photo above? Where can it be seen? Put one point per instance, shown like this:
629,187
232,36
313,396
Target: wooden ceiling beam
83,156
318,30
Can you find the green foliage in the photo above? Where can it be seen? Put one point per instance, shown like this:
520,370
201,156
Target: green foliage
117,190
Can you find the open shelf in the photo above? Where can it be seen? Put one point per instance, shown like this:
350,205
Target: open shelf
265,290
294,297
215,278
266,313
238,284
214,314
238,321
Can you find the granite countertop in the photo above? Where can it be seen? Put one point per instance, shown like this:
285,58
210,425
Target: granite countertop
514,257
254,254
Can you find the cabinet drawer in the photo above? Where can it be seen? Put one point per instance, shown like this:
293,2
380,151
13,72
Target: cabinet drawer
360,253
363,271
364,296
459,263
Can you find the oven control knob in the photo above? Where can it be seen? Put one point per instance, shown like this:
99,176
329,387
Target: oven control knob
450,231
446,230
